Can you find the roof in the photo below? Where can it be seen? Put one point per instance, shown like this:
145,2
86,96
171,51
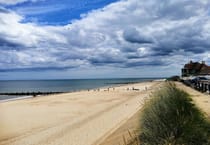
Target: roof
201,68
205,70
194,65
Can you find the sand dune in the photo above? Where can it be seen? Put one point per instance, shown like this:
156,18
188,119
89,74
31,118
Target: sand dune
202,100
79,118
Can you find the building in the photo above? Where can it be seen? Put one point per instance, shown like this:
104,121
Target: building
195,68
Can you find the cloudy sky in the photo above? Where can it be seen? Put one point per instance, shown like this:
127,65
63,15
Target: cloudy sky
52,39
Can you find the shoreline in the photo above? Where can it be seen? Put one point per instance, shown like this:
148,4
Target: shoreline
43,94
17,98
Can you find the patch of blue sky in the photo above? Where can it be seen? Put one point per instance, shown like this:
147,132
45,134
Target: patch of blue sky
54,12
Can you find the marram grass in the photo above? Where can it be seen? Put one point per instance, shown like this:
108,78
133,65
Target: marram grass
171,118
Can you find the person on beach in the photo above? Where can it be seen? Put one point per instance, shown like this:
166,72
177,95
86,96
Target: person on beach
146,88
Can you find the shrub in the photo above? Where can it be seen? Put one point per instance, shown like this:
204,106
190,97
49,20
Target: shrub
174,78
170,117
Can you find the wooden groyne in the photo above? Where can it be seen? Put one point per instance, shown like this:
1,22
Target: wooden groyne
30,93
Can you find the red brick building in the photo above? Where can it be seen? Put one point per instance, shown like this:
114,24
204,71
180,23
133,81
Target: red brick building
195,68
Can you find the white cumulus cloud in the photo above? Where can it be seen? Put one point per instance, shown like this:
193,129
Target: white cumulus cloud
124,34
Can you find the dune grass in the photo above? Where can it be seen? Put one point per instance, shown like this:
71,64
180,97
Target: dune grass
171,118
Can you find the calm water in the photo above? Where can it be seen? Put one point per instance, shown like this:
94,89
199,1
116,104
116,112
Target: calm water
59,85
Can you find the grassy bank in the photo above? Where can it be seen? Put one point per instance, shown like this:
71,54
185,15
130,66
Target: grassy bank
171,118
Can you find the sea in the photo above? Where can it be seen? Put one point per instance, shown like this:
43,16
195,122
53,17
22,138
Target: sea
67,85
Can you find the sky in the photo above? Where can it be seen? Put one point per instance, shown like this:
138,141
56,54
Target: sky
70,39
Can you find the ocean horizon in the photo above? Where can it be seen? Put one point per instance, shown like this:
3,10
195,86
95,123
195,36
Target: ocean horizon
60,85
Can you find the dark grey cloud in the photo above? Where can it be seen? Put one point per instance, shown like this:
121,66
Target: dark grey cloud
73,55
186,36
133,56
141,63
133,36
9,45
101,57
105,61
128,49
162,51
35,69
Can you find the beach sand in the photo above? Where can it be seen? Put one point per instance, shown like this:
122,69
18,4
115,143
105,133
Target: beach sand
202,100
79,118
125,133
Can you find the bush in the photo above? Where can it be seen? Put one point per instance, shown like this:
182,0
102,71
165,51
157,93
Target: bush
170,117
174,78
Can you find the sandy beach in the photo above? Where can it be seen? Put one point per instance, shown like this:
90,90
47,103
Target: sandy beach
85,117
201,100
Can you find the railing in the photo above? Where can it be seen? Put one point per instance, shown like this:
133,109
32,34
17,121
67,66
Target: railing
202,85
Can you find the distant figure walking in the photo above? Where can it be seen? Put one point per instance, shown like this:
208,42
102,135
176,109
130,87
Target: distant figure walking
146,88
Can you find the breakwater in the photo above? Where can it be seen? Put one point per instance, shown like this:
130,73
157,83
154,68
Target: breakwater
30,93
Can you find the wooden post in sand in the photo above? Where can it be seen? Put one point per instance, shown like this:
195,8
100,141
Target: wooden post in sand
206,85
201,88
198,85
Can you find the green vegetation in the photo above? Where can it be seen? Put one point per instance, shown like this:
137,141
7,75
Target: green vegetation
174,78
171,118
